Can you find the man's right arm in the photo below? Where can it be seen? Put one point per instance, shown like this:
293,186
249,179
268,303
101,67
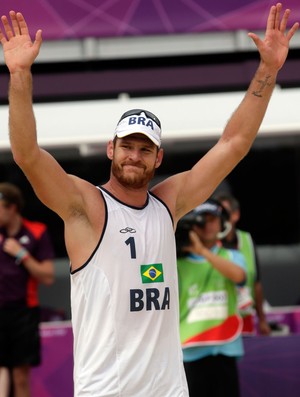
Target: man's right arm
72,198
57,190
50,182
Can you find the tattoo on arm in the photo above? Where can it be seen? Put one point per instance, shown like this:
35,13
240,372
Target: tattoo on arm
263,84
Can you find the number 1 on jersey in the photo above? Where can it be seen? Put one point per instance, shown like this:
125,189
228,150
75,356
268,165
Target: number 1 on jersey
130,241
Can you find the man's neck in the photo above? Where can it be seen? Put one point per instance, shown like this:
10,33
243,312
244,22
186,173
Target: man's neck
134,197
14,225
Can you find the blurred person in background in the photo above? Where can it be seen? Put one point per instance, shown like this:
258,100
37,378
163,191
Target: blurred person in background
210,325
26,259
251,296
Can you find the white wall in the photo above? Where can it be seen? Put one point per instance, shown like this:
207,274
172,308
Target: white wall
187,117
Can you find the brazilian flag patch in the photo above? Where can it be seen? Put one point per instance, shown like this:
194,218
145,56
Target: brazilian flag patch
152,273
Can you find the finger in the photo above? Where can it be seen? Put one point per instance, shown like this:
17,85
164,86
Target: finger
271,18
193,235
22,24
7,27
38,40
2,37
292,31
284,20
277,15
194,238
15,23
255,38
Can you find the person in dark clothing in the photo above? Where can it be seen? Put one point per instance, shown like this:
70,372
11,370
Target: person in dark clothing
26,259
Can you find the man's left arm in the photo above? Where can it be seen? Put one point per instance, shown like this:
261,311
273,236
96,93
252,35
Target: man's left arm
193,187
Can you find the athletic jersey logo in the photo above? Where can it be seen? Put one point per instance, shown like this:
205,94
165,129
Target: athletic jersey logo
24,240
128,230
152,273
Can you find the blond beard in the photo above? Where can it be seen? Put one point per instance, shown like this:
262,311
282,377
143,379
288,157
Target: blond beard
132,181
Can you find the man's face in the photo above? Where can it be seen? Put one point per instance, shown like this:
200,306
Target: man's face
5,213
134,160
209,231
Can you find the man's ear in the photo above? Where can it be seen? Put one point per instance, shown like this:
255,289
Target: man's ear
159,157
235,216
110,150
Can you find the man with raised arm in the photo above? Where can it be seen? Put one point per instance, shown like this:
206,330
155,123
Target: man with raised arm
120,236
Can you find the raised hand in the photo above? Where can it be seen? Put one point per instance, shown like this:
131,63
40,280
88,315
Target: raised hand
196,246
19,50
11,246
275,46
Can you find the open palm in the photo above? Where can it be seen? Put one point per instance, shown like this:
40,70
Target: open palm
19,50
275,46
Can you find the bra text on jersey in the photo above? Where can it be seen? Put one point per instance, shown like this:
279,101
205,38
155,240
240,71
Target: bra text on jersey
149,299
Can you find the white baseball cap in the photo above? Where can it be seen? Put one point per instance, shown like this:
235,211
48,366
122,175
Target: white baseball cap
139,121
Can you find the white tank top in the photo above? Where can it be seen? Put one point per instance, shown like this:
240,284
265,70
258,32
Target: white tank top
125,307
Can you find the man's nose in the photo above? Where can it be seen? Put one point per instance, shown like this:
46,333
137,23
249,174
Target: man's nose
135,154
